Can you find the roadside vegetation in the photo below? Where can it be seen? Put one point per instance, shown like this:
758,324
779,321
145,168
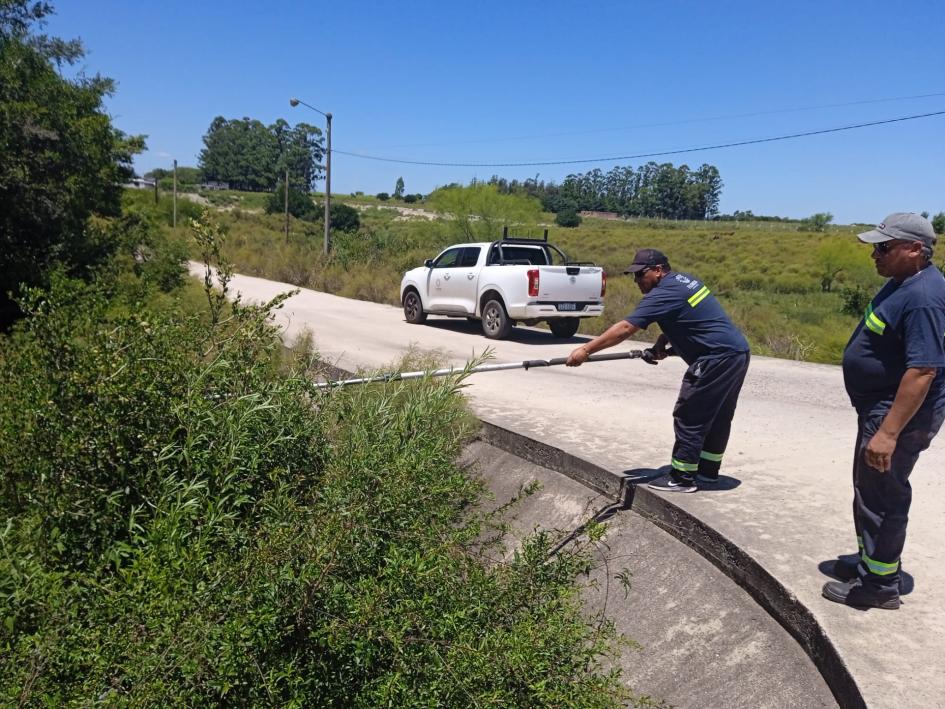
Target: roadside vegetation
195,523
797,289
185,519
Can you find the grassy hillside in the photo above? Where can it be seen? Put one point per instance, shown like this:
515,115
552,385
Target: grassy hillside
768,275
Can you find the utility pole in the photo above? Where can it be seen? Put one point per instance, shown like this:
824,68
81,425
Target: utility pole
328,190
296,102
175,194
287,205
156,190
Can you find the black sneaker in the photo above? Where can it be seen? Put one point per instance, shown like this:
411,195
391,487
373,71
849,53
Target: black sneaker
853,593
708,480
668,483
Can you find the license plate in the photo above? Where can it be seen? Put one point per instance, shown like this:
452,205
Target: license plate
567,306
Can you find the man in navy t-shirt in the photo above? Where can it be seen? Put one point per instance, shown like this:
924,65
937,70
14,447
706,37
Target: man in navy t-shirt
892,368
699,331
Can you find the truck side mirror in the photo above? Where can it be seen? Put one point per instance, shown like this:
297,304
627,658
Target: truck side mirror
428,263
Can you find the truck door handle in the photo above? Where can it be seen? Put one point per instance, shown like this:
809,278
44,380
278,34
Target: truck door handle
470,276
446,276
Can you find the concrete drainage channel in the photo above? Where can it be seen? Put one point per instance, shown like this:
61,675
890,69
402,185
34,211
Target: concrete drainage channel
715,628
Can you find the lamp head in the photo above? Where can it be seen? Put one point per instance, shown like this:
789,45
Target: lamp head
293,102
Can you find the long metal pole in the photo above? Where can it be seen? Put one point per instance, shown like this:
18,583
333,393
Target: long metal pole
328,190
287,205
646,355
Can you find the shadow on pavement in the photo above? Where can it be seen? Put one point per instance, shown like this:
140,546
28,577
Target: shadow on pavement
518,334
906,581
641,476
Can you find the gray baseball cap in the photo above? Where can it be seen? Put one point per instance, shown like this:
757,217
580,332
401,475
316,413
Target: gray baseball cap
901,225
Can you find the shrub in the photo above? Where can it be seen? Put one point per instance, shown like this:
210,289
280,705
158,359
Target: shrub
817,222
344,218
568,218
301,205
855,300
410,198
383,196
197,525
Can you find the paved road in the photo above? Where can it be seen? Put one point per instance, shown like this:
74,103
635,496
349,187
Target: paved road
789,497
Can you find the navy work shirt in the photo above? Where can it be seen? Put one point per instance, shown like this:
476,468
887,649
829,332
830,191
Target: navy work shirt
691,317
904,326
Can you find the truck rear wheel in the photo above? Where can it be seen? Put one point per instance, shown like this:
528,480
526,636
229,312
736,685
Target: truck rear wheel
565,327
495,321
413,308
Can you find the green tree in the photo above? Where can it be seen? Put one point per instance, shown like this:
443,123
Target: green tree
835,257
252,156
938,223
187,177
478,212
301,205
63,161
817,222
399,188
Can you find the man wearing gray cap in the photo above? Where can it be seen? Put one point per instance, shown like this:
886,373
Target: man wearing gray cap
892,369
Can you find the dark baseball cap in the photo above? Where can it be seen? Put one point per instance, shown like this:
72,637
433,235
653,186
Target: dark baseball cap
901,225
645,258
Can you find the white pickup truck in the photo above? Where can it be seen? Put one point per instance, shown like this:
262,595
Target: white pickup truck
505,282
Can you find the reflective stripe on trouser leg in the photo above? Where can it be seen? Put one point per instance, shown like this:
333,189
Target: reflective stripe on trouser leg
882,500
709,463
683,470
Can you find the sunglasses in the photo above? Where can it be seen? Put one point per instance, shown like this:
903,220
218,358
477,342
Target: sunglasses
884,247
639,274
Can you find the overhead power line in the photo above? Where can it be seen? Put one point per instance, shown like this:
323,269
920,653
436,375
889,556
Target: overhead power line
662,124
660,153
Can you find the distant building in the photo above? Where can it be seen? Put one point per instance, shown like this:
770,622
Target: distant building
140,183
599,215
215,185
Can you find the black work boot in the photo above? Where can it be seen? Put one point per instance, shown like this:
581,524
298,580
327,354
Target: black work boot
848,570
845,570
854,593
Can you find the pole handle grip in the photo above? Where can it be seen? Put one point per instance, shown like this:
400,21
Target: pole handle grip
632,354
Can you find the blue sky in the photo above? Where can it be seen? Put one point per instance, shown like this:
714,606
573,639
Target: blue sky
504,82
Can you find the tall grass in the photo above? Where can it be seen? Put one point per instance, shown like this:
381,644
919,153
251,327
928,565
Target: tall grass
186,520
768,275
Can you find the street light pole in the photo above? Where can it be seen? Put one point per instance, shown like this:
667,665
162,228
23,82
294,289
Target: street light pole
295,102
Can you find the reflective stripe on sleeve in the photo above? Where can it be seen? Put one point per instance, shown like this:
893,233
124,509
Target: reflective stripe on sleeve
873,322
699,296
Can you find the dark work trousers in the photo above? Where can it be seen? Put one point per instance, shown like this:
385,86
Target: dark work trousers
703,414
881,500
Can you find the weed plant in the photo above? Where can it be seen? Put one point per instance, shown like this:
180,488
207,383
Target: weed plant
187,521
794,293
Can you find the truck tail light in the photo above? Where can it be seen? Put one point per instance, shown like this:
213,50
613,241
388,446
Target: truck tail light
603,283
533,283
